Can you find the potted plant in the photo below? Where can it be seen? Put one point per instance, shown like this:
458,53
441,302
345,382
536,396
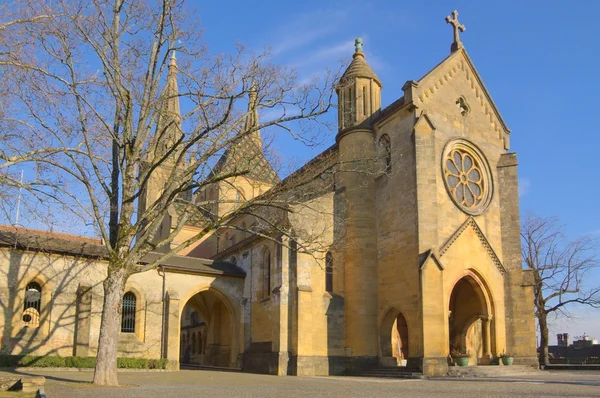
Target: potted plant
507,359
460,358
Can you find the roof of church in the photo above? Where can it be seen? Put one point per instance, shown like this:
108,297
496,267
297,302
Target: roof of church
463,52
196,265
52,242
81,246
359,67
198,219
246,154
246,158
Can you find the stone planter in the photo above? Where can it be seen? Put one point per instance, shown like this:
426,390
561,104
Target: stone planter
507,361
461,361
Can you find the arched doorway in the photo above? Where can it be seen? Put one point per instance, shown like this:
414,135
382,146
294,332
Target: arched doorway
206,331
394,338
470,317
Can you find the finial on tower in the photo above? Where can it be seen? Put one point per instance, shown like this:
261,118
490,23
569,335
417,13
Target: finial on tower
358,45
173,61
452,19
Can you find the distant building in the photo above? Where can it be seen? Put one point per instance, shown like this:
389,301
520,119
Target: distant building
585,349
562,339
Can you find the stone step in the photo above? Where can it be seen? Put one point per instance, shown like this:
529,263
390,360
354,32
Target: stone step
192,366
490,371
399,372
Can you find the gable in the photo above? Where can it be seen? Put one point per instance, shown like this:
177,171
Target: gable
470,238
458,69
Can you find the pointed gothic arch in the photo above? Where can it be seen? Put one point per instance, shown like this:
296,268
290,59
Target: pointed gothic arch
470,318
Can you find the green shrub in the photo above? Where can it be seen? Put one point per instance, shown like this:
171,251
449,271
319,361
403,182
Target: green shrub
14,361
132,363
9,361
41,362
157,363
80,362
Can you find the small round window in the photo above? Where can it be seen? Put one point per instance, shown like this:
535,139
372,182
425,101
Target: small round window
467,176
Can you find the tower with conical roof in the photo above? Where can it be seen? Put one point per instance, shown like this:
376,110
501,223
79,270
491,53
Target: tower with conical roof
163,147
241,173
168,129
359,99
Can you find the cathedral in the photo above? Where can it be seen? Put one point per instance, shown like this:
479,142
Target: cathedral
403,248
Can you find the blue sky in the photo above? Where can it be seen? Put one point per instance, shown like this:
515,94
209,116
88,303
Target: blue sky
539,59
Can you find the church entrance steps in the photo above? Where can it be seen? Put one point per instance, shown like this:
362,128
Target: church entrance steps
191,366
490,371
398,372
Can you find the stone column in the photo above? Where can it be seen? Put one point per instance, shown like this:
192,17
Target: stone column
173,329
281,302
487,338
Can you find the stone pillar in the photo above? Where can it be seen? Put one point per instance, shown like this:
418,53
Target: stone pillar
172,318
82,325
487,338
305,335
280,303
519,311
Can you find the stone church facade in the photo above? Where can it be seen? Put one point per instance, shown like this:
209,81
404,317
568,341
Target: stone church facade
406,248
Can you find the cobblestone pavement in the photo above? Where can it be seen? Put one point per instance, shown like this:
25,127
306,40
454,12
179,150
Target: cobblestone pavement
198,383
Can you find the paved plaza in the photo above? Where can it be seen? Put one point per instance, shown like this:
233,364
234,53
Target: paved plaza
198,383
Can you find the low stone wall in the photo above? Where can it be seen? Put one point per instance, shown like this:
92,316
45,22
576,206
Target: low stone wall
25,384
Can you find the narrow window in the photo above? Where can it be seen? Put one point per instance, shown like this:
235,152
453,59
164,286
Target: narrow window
128,313
364,95
33,305
329,272
267,274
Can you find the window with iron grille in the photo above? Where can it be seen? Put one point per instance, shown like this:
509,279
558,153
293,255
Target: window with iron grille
128,313
33,304
33,296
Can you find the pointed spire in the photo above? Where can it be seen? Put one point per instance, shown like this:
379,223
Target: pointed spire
252,121
168,128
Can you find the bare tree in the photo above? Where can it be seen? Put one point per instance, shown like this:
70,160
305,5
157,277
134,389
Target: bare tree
86,79
561,271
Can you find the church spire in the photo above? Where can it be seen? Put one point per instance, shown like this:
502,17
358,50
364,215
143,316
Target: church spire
168,130
252,121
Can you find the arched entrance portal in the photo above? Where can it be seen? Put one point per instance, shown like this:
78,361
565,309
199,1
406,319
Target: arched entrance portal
470,320
394,338
206,331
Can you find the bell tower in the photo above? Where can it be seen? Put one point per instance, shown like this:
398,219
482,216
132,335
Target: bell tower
359,99
359,92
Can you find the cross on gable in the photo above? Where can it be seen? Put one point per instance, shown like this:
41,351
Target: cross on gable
456,26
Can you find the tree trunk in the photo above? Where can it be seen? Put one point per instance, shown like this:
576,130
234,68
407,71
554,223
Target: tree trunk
543,324
105,373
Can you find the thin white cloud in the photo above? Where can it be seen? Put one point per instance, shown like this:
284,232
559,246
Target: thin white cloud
327,54
524,186
307,29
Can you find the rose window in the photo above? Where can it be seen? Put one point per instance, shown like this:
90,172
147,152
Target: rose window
466,177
